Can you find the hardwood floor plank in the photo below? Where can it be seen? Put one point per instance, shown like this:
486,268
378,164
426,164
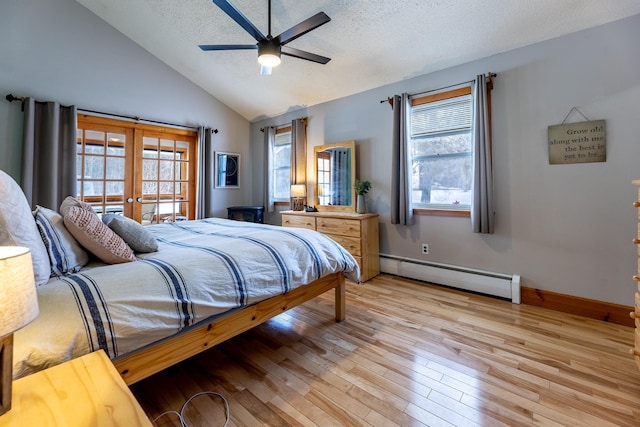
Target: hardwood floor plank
410,354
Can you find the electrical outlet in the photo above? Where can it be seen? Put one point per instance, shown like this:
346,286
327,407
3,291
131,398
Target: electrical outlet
425,249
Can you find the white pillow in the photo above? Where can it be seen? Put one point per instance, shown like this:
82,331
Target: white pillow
18,228
65,253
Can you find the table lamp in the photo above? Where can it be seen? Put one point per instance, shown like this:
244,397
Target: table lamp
18,307
298,196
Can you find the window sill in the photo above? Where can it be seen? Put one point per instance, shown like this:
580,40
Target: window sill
457,213
282,203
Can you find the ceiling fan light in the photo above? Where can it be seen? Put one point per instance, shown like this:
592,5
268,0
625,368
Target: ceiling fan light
269,53
269,60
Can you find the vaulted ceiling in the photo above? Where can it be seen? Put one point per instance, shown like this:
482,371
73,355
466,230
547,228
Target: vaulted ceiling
370,42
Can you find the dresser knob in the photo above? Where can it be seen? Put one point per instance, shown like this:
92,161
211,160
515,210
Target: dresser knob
636,204
636,241
634,315
636,278
634,352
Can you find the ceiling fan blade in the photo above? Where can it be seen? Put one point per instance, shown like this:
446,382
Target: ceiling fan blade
228,46
304,27
297,53
242,20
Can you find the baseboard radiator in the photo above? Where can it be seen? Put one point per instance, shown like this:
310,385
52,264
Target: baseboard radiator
484,282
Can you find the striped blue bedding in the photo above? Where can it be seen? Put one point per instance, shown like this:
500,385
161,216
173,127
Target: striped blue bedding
203,268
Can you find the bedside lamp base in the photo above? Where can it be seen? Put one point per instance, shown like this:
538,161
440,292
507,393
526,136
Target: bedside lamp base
6,372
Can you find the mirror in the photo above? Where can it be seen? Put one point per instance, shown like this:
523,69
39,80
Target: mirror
227,169
335,170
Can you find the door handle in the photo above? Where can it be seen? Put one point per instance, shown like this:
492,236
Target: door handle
129,199
139,199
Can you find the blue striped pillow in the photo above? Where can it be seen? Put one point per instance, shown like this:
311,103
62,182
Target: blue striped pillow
65,253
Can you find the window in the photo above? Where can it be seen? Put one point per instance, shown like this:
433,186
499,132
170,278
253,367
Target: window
441,150
323,175
138,170
282,164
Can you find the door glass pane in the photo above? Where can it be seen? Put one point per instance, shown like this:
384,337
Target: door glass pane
149,188
150,147
182,150
149,169
115,190
166,170
167,149
115,167
93,167
94,188
166,188
94,142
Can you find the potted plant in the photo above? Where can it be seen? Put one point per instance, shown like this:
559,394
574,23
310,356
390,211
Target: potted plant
362,188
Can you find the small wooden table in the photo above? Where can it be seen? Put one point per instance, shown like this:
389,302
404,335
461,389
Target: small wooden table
87,391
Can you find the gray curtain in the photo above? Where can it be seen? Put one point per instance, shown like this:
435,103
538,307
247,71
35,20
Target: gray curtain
269,138
299,151
482,210
205,178
49,153
401,209
340,162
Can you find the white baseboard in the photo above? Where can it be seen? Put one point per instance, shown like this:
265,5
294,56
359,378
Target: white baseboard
485,282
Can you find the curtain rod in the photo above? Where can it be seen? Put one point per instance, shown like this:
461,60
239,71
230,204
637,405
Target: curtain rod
10,97
299,118
389,99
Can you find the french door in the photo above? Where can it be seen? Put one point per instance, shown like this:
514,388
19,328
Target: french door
142,171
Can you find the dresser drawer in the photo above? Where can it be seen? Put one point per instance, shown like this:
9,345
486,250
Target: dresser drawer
352,244
299,221
339,226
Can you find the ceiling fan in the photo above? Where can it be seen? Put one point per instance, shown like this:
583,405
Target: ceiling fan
270,48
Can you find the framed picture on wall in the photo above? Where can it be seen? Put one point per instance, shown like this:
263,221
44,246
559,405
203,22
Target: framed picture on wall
227,170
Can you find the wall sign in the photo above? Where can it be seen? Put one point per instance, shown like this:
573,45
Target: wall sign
581,142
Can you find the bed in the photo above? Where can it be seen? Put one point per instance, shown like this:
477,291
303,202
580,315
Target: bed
210,280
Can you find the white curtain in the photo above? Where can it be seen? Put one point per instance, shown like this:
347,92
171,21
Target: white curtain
49,153
204,185
401,209
299,151
269,138
482,209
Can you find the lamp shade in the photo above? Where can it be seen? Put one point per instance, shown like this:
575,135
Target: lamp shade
298,190
18,299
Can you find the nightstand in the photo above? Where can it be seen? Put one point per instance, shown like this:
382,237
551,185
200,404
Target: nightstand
87,391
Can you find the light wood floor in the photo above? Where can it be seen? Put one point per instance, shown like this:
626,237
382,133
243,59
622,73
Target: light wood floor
409,354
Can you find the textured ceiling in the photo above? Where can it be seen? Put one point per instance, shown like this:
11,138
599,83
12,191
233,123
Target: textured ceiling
370,42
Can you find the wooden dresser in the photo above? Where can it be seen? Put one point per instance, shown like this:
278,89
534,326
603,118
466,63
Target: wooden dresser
357,233
636,313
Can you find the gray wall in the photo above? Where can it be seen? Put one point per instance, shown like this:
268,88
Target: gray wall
60,51
564,228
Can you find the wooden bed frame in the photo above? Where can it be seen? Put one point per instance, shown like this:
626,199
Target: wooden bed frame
142,363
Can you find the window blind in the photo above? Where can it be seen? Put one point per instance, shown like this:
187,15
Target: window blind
441,116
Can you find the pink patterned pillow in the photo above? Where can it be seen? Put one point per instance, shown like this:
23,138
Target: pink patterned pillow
96,237
70,202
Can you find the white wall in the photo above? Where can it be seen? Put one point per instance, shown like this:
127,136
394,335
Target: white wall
564,228
60,51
